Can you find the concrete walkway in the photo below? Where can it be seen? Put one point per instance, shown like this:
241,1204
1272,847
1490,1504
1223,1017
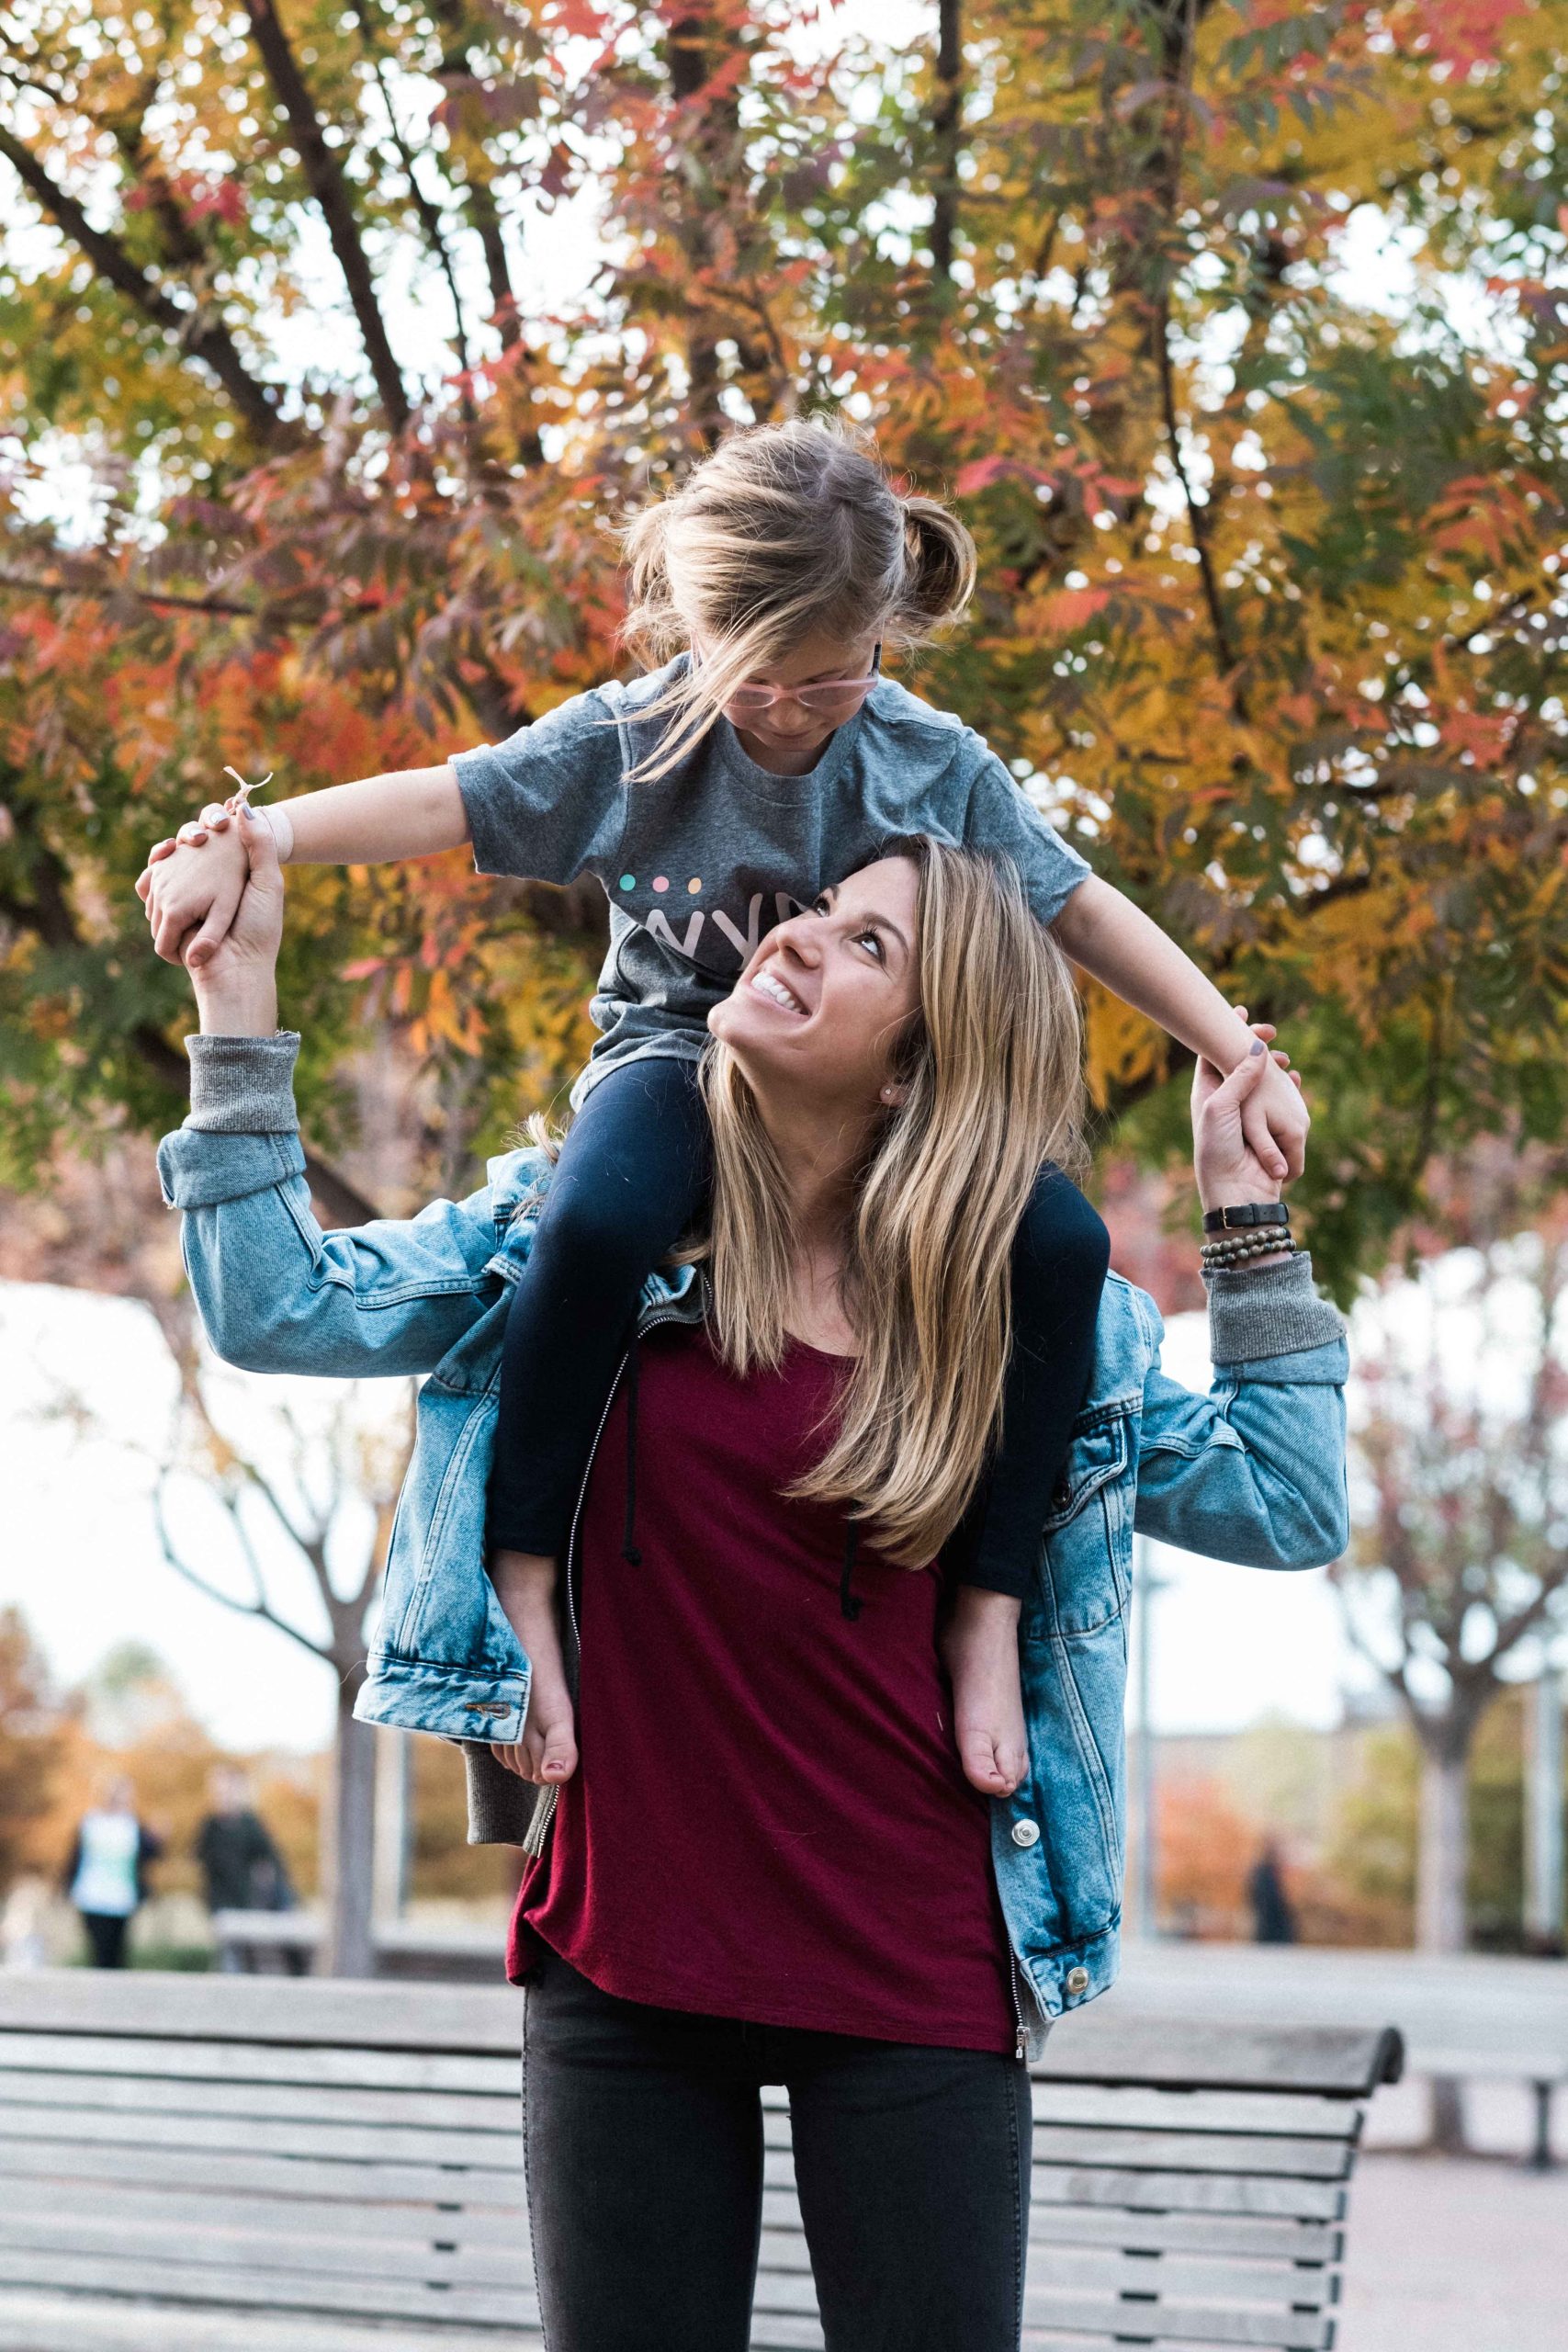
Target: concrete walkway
1448,2254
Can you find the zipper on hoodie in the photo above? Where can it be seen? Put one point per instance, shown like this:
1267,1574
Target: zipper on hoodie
1022,2042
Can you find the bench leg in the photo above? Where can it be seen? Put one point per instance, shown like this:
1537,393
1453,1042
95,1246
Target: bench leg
1540,2158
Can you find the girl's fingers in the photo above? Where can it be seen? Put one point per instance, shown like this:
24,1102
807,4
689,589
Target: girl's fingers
191,835
1255,1127
210,938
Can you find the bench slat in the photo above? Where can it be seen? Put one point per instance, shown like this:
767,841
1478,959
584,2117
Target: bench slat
52,2323
158,2096
1106,2043
1170,2150
1192,2152
371,2225
468,2020
1192,2324
351,2142
1299,2114
1176,2278
223,2283
1190,2192
257,2062
1256,2234
277,2247
290,2175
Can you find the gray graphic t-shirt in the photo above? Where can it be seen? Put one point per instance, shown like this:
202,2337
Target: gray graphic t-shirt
699,865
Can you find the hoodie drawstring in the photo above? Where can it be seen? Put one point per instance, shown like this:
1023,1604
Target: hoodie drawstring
849,1600
629,1552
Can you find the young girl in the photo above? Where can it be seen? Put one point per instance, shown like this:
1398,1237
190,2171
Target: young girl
726,790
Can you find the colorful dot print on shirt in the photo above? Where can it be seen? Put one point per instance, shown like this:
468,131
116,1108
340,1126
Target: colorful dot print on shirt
695,885
662,881
628,881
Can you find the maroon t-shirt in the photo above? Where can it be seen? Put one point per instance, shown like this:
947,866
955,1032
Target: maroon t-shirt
768,1819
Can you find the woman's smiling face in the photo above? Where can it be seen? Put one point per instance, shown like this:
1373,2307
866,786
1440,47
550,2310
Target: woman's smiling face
821,1005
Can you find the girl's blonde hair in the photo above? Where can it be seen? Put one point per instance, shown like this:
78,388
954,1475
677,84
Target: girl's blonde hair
784,531
991,1065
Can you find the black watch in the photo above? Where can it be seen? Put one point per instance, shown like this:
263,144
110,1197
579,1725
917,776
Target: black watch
1246,1214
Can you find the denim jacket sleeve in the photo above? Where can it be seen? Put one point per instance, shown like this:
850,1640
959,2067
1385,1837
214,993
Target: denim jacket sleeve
276,1294
1254,1470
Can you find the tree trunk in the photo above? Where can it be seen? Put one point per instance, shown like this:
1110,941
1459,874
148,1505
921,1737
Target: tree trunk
1443,1853
348,1874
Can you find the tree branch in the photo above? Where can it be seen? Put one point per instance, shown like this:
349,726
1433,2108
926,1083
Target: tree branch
328,185
259,1608
429,214
106,590
945,128
457,63
486,215
199,332
1198,520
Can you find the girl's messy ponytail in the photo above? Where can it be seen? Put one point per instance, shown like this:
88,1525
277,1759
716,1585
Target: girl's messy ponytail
785,531
940,578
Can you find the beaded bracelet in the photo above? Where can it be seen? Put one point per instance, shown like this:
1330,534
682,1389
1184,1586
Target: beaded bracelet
1216,1256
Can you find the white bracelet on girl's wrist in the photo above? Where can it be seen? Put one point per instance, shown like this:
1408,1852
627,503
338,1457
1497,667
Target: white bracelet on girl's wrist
281,826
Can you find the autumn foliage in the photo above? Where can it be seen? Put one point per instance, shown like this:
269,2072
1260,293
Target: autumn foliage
1235,332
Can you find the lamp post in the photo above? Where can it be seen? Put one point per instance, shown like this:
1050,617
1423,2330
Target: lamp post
1543,1813
1146,1859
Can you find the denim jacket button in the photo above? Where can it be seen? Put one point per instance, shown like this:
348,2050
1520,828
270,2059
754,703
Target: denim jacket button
1025,1833
1078,1980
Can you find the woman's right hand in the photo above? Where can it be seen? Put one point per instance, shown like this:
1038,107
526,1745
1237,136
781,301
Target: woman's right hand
236,988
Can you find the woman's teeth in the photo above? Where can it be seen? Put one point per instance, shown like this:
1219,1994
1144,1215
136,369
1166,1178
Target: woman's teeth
768,984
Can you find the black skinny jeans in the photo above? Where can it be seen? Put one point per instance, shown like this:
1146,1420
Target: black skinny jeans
642,2133
629,1182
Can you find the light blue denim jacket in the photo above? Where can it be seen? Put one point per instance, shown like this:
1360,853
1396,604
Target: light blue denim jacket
1252,1472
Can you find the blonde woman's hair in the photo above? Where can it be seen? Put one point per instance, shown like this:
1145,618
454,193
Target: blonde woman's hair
991,1065
784,531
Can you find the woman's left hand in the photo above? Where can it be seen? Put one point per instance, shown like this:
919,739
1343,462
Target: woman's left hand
1228,1171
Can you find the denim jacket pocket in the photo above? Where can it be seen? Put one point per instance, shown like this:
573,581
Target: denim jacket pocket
1098,1453
1086,1555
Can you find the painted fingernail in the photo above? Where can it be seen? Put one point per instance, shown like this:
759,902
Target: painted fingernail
1256,1046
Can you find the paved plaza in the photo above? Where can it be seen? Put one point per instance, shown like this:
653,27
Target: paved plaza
1455,2255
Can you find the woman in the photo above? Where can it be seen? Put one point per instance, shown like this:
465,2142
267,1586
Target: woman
106,1875
767,1866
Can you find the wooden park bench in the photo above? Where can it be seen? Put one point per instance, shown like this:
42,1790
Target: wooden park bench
211,2163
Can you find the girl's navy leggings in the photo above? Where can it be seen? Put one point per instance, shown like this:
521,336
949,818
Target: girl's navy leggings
642,2138
630,1181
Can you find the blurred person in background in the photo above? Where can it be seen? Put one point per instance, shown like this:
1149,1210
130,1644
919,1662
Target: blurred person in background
1273,1918
242,1869
24,1924
105,1876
